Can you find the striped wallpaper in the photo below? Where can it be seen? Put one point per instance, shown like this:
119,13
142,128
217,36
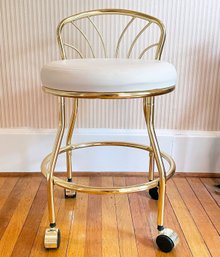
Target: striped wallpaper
28,40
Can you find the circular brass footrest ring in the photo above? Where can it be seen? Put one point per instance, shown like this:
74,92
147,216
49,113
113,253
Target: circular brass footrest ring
107,190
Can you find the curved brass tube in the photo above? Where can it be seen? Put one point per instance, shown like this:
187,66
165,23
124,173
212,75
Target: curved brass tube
69,138
107,190
108,95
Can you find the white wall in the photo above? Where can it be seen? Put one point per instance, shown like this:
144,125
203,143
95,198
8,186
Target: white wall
25,149
28,40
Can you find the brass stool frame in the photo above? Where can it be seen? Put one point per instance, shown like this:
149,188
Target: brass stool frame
49,163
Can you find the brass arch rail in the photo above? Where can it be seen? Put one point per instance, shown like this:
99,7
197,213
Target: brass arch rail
107,190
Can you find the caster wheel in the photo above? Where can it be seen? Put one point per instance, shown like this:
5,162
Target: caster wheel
69,193
167,240
52,238
217,190
153,192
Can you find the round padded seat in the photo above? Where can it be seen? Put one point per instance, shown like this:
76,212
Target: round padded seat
108,75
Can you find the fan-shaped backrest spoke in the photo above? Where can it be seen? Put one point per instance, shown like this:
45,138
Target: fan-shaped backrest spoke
74,48
85,37
136,39
146,49
121,36
100,36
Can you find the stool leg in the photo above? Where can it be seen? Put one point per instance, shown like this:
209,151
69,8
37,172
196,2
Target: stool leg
52,235
151,154
148,111
153,192
151,166
69,193
167,238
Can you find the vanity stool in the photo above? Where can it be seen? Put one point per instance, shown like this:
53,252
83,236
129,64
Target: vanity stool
109,77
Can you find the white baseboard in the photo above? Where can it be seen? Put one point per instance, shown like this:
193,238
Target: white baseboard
193,151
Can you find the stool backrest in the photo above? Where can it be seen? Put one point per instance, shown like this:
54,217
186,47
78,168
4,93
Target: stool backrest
97,34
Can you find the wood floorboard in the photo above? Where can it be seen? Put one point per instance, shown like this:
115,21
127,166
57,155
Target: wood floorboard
38,249
110,236
6,188
77,238
210,183
64,217
18,217
199,215
170,221
190,230
127,241
144,241
28,233
2,180
11,203
93,244
209,204
110,225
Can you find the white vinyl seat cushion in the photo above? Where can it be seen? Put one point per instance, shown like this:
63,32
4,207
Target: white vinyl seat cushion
108,75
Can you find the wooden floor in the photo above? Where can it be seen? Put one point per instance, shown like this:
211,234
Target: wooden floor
109,226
